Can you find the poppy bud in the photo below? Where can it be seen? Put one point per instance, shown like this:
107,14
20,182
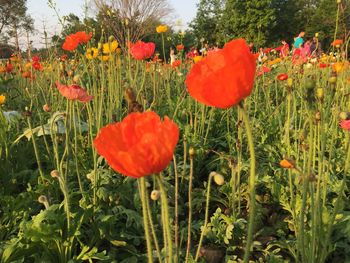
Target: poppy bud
290,82
155,195
43,200
55,174
318,116
344,115
310,84
191,152
316,34
320,93
338,1
332,79
219,179
46,108
76,78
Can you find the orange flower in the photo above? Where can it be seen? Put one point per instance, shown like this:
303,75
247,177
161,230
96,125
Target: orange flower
140,145
224,77
141,50
176,63
71,43
74,92
73,40
288,164
282,76
9,67
180,47
83,37
337,42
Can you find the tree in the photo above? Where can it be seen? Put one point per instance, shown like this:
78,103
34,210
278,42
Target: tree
206,24
11,10
131,19
252,19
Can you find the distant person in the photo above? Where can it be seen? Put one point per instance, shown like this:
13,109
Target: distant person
306,49
299,41
172,56
315,48
283,49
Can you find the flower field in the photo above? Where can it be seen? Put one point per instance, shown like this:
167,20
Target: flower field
113,154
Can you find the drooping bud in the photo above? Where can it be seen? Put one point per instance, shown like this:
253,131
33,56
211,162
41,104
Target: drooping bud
155,194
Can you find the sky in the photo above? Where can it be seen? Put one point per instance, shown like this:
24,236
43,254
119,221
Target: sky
184,10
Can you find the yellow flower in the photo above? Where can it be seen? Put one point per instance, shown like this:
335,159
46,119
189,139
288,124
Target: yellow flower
109,47
91,53
103,57
2,99
2,69
338,67
197,59
162,29
28,65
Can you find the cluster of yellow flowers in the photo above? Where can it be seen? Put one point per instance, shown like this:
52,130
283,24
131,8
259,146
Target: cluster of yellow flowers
105,49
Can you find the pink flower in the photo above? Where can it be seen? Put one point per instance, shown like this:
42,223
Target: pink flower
345,125
74,92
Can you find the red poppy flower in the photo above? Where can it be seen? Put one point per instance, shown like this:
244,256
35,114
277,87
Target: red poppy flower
337,42
36,65
140,145
263,70
71,43
9,68
83,37
180,47
282,76
74,92
35,59
176,63
223,78
323,65
345,125
141,50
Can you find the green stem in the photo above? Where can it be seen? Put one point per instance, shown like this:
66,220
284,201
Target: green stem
143,198
189,211
251,183
165,207
204,228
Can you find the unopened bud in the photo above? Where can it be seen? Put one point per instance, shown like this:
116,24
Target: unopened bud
155,194
191,152
219,179
55,174
344,115
43,200
46,108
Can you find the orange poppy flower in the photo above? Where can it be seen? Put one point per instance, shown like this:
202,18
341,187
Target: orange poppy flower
282,76
74,92
337,42
140,145
73,40
141,50
180,47
83,37
224,77
288,164
71,43
176,63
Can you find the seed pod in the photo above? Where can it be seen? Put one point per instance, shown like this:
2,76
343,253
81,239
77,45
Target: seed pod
318,116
